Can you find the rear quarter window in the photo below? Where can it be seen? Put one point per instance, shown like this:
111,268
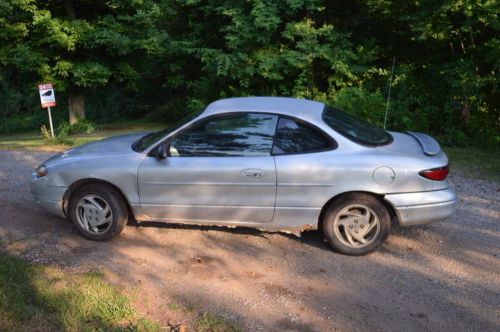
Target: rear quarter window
294,136
355,129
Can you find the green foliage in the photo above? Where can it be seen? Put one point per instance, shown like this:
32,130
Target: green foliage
57,139
366,105
167,58
82,126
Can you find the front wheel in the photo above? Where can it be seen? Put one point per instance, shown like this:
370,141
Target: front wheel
356,224
98,211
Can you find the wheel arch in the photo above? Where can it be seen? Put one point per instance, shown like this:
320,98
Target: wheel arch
82,182
379,197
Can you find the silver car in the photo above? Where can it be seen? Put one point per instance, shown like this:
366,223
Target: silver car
276,164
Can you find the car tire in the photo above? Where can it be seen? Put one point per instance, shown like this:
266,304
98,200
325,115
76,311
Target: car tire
98,211
356,224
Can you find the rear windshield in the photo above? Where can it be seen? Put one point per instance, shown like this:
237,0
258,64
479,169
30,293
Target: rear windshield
355,129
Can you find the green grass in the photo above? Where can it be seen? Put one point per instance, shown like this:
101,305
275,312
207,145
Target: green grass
214,323
34,140
36,297
475,163
181,307
41,298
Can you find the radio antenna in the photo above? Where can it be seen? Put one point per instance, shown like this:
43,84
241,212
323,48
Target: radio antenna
389,92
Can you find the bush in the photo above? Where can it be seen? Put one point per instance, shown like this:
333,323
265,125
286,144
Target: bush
47,136
82,126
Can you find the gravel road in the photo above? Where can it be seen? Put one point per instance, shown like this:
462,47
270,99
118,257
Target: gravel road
444,276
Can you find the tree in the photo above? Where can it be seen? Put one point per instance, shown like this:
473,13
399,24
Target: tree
165,57
80,46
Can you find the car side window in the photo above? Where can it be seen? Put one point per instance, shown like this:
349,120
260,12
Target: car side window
235,135
296,137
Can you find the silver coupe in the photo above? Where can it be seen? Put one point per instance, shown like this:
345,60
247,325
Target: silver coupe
276,164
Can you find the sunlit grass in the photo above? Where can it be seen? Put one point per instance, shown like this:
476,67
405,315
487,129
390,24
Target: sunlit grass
210,322
474,162
34,141
36,297
40,298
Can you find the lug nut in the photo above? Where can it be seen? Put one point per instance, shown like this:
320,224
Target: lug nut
356,221
362,226
350,226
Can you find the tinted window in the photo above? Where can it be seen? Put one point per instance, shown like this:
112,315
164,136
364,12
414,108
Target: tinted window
355,129
232,135
296,137
147,140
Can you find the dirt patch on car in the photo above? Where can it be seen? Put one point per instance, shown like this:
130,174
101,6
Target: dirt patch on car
444,276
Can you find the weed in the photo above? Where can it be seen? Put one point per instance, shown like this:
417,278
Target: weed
210,322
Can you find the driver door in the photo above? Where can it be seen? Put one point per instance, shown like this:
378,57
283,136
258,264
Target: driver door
219,169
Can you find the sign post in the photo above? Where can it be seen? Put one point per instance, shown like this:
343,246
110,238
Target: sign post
50,121
48,100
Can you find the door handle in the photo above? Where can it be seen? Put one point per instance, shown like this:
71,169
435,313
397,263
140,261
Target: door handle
252,172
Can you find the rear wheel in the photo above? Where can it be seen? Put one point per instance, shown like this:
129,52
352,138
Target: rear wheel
98,211
356,224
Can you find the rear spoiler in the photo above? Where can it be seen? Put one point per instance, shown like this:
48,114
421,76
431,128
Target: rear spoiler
429,145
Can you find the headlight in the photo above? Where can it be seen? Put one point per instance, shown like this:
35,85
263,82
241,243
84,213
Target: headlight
41,171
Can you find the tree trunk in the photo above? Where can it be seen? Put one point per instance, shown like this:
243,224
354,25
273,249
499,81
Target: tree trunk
76,99
76,104
69,8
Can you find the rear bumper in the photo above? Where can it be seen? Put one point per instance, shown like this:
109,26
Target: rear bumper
423,207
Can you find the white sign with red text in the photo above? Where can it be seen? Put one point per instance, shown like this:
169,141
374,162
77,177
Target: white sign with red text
47,96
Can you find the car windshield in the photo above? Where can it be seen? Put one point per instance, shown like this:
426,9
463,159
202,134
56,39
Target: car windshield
149,139
355,129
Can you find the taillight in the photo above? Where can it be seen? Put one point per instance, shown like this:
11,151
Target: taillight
436,174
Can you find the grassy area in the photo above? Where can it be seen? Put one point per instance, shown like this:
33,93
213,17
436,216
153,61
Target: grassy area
475,163
35,297
34,140
41,298
214,323
205,321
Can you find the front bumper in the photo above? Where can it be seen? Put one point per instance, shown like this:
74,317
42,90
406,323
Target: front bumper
48,197
423,207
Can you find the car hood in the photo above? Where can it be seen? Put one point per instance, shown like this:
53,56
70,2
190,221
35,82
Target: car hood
111,145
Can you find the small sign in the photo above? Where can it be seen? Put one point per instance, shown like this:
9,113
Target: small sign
48,100
47,96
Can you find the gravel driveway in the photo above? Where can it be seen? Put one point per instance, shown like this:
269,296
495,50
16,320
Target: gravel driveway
444,276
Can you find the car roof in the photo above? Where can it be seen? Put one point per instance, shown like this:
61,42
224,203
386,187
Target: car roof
280,105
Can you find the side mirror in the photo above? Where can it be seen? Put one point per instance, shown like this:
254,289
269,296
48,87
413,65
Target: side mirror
161,151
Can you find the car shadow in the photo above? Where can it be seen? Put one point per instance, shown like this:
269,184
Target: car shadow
312,238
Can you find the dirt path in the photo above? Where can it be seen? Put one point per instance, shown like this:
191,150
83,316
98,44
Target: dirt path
444,276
